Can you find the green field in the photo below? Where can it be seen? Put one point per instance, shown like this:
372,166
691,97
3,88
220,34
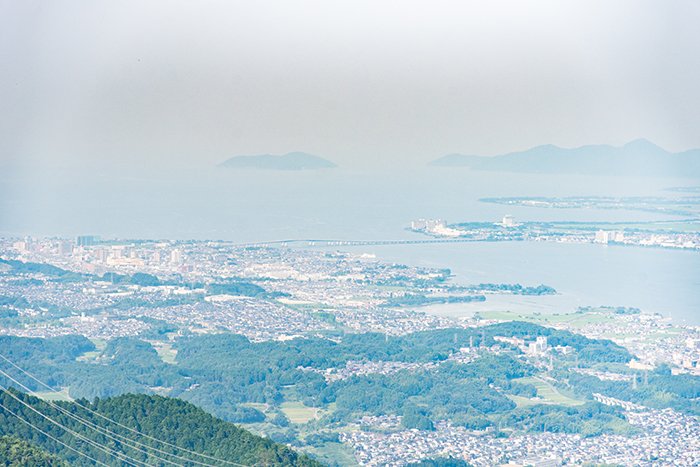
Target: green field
548,393
100,345
571,319
333,453
165,351
297,412
61,395
257,405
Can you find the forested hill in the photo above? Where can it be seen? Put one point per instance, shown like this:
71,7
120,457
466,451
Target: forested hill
172,421
15,452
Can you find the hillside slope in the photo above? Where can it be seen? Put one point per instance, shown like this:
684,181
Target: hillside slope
172,421
17,453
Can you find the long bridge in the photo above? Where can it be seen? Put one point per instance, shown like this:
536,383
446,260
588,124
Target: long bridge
327,243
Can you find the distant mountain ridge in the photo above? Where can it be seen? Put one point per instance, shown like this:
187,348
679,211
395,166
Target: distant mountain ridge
638,157
289,161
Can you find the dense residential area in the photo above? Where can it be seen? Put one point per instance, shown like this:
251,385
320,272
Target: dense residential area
343,357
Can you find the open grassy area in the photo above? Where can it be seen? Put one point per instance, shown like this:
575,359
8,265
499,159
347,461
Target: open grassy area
100,345
61,395
257,405
545,390
333,453
297,412
571,319
524,401
165,351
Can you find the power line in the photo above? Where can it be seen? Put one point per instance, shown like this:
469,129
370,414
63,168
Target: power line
107,450
103,431
52,437
120,424
126,427
120,456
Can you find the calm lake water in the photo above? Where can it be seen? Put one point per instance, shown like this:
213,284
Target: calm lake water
655,280
252,206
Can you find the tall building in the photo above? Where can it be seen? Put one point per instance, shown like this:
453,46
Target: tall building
418,225
538,347
102,254
155,257
602,236
65,248
20,246
508,221
87,240
433,224
175,257
541,342
117,252
428,224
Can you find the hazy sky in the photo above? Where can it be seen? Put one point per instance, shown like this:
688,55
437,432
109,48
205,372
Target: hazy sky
359,82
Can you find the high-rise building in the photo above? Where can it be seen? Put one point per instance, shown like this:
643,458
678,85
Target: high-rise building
418,224
541,342
20,246
65,248
602,236
538,347
117,252
87,240
102,254
155,257
175,257
433,224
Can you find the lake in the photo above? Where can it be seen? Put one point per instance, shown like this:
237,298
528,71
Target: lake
655,280
252,206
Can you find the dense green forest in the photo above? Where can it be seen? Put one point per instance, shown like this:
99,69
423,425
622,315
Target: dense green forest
452,391
245,382
17,453
171,420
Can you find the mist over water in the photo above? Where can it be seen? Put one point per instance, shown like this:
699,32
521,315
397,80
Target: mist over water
654,280
253,206
250,206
